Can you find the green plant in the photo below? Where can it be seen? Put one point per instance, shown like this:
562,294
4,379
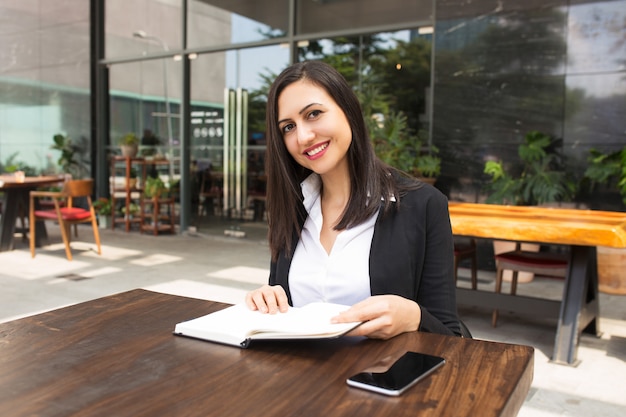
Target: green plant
154,187
103,206
395,144
129,139
132,209
542,178
12,165
67,160
608,169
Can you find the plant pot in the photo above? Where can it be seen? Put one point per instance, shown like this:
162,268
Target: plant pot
129,150
611,267
500,246
104,221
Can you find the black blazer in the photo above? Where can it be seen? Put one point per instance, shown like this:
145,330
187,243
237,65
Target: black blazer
412,255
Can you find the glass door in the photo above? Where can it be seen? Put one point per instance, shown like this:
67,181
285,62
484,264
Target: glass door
229,95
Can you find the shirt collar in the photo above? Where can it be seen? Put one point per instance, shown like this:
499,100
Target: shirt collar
311,190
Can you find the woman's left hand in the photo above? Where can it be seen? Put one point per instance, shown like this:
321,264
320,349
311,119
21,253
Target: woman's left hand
383,316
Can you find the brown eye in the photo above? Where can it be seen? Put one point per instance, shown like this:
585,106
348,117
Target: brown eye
314,114
287,128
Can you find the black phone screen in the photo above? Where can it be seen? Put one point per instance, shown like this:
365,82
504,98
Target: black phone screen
406,371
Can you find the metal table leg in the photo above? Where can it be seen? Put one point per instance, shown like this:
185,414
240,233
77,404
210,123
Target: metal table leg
579,308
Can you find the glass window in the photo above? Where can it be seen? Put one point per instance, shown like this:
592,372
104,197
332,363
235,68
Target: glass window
44,83
220,22
143,103
391,71
140,27
330,15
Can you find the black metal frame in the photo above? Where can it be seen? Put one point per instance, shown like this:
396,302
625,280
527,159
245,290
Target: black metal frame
577,312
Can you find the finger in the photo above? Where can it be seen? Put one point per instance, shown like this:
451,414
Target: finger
281,298
270,298
250,302
256,299
362,311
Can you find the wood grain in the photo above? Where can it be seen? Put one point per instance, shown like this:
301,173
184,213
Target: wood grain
539,224
117,356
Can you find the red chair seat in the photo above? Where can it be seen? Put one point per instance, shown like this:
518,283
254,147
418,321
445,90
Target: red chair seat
542,263
68,213
532,259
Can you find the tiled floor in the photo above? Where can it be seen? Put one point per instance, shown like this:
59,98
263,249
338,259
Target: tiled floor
224,268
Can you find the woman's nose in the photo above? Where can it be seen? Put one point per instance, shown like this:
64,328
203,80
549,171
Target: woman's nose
305,134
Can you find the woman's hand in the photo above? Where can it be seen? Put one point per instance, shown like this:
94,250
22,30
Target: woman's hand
383,316
268,299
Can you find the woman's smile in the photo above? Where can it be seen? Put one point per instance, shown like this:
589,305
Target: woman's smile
317,151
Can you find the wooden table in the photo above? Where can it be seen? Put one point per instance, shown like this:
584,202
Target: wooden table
581,230
16,193
117,356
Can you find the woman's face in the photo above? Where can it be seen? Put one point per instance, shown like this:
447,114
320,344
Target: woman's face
315,129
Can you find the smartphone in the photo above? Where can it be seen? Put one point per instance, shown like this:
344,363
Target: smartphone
405,372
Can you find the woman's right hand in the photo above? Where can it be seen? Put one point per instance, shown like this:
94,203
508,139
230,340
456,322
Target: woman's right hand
268,299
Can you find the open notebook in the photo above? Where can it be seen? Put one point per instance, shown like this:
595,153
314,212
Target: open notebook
238,325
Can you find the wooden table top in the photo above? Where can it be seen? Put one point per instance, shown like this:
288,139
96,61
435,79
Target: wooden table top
539,224
117,356
9,181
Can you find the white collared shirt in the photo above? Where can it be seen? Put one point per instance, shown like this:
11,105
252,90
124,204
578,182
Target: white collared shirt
343,275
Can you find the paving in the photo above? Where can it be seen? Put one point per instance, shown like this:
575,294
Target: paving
212,264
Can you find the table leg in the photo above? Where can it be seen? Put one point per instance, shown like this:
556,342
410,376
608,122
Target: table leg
10,206
7,220
579,307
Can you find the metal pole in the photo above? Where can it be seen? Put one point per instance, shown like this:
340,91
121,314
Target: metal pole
143,35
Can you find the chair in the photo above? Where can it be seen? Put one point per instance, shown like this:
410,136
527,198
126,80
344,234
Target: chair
540,263
64,211
210,192
463,251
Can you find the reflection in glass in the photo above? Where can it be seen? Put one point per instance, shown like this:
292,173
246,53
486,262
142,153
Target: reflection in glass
390,70
220,22
160,19
498,77
228,137
318,16
139,103
596,37
44,84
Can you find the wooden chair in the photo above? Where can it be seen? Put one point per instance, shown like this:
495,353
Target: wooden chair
210,193
64,211
540,263
463,251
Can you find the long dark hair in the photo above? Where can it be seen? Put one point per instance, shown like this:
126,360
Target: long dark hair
370,178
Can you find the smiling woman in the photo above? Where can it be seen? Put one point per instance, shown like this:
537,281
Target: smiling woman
327,193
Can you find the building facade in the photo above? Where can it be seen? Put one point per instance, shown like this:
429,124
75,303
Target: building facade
190,76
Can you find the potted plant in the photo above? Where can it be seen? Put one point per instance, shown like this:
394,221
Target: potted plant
104,208
540,179
132,179
154,187
67,159
129,145
609,169
133,210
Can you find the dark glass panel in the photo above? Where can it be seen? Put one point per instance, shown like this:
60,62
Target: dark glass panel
499,75
331,15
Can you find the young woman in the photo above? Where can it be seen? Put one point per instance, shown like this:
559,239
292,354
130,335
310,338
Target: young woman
343,226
